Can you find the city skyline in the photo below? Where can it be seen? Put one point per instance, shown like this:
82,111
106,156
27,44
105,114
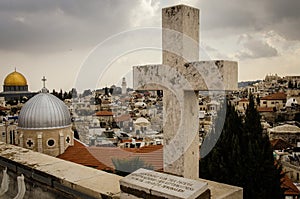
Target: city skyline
57,39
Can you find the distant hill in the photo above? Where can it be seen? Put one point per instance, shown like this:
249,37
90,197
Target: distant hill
247,83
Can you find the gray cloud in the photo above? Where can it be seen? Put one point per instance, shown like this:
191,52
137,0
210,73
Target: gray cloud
257,15
55,25
60,25
255,48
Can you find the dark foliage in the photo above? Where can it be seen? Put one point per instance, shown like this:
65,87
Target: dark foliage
243,157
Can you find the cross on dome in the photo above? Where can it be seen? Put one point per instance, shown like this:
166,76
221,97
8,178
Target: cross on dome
44,81
44,89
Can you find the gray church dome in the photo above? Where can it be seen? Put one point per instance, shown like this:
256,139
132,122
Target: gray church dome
44,111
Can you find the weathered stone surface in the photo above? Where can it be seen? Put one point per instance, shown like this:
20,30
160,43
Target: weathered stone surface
223,191
179,76
150,184
180,35
202,75
57,177
48,178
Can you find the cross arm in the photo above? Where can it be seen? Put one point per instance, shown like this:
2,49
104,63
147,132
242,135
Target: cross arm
202,75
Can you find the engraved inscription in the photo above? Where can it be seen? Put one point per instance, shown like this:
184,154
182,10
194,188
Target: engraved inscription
167,183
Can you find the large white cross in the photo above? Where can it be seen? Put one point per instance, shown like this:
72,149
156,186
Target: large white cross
180,77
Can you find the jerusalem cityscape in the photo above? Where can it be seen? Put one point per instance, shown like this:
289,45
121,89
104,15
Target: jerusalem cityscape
184,99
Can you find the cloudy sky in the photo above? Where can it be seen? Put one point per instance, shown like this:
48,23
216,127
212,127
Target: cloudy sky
94,43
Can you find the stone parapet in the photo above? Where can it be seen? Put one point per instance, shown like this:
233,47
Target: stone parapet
49,177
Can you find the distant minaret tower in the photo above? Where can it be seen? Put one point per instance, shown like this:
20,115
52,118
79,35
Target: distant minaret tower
124,86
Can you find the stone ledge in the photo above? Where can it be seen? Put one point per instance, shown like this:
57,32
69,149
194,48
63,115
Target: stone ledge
66,177
223,191
74,180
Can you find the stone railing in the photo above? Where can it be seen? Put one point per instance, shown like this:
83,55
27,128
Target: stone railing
49,177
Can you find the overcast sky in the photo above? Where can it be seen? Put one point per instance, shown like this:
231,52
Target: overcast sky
65,40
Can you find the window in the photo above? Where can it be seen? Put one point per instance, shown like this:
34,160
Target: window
29,143
50,142
68,139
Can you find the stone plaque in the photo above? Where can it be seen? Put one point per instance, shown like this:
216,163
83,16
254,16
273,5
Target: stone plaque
150,184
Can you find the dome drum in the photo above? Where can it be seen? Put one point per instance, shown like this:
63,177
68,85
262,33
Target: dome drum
15,88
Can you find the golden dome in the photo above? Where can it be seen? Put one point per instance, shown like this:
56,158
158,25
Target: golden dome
15,79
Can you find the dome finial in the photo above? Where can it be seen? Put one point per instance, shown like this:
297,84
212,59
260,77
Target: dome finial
44,81
44,89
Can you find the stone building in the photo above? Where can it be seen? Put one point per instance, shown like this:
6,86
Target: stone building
276,100
272,77
287,132
8,132
15,87
45,125
294,93
242,105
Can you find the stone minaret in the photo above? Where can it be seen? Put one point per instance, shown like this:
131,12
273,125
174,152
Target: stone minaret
124,86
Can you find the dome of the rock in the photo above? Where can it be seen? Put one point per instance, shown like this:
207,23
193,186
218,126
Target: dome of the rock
15,79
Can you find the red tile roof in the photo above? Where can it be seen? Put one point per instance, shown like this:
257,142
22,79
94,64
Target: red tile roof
4,108
101,157
290,188
104,113
244,100
105,102
123,118
280,144
275,96
79,154
265,109
152,155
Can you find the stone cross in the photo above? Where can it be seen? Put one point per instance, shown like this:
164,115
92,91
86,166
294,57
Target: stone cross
180,77
44,81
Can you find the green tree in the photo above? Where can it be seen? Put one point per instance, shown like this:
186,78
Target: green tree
124,167
290,84
74,93
54,93
60,94
243,157
297,117
261,175
258,100
224,163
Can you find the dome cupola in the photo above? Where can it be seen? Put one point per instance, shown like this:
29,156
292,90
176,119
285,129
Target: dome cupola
44,124
44,111
15,79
